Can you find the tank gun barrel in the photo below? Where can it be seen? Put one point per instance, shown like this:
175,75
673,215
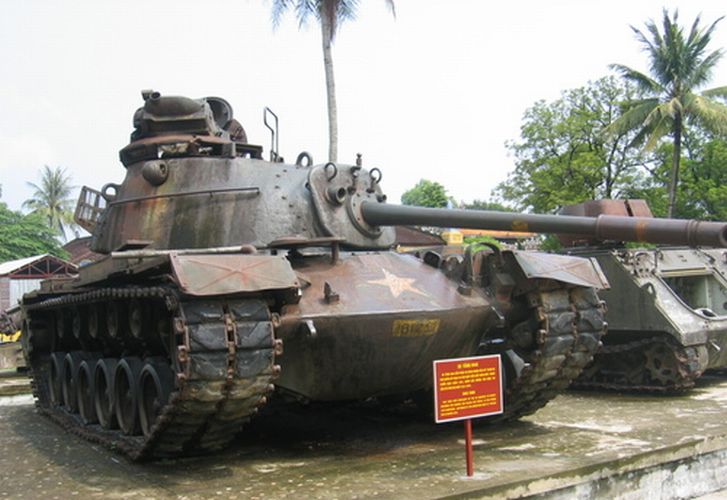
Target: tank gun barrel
604,227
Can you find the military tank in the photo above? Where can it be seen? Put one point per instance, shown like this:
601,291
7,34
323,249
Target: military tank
667,308
217,258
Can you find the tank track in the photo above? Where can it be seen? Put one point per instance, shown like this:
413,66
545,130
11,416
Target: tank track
567,325
220,352
656,364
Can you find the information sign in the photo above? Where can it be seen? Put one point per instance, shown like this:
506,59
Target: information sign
467,388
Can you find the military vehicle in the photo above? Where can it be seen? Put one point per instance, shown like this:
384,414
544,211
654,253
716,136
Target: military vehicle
217,258
667,307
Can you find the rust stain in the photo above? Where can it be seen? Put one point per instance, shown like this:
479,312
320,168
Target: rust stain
640,230
520,225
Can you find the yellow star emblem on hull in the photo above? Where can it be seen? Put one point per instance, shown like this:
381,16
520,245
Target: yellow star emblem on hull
397,285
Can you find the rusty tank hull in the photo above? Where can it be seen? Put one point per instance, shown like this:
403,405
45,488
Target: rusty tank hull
230,279
667,308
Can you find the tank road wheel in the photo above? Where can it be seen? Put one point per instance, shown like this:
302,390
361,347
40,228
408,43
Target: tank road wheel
85,394
55,379
96,321
79,324
156,383
69,389
62,330
138,317
115,319
103,395
126,394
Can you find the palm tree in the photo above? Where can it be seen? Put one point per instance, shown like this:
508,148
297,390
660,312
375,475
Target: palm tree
52,199
330,14
679,65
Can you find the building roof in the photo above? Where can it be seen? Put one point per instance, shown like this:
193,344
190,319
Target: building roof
80,250
13,265
37,266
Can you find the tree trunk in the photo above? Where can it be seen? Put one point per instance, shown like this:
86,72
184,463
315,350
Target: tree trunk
676,159
327,35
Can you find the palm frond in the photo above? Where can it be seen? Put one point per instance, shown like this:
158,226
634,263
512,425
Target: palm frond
702,71
278,10
392,7
347,10
643,82
304,9
658,130
710,114
633,118
716,92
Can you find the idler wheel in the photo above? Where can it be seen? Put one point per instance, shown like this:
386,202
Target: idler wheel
85,392
55,379
126,394
103,392
156,383
662,364
71,364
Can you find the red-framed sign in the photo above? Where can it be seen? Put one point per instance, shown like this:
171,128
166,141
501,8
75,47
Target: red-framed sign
467,388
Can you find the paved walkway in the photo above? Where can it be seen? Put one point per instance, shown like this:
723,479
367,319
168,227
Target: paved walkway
582,444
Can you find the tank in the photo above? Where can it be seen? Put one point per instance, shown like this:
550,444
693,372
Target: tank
229,278
667,307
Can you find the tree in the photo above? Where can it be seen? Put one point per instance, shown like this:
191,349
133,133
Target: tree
702,188
52,199
330,14
679,65
563,157
426,194
25,235
487,205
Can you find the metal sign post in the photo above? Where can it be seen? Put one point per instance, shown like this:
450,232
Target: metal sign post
467,388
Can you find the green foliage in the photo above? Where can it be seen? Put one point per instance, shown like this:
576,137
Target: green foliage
25,235
426,194
477,242
702,190
487,205
550,243
668,102
563,156
52,199
703,186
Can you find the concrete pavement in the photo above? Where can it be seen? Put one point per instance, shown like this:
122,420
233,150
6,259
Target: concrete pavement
581,445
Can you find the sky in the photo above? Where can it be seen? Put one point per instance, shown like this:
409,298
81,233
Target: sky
433,93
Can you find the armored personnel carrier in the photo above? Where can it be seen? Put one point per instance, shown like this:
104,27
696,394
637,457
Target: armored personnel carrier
217,259
667,308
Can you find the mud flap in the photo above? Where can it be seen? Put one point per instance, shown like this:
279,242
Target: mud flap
566,269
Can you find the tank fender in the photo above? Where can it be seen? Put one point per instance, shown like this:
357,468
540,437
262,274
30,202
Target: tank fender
566,269
219,274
